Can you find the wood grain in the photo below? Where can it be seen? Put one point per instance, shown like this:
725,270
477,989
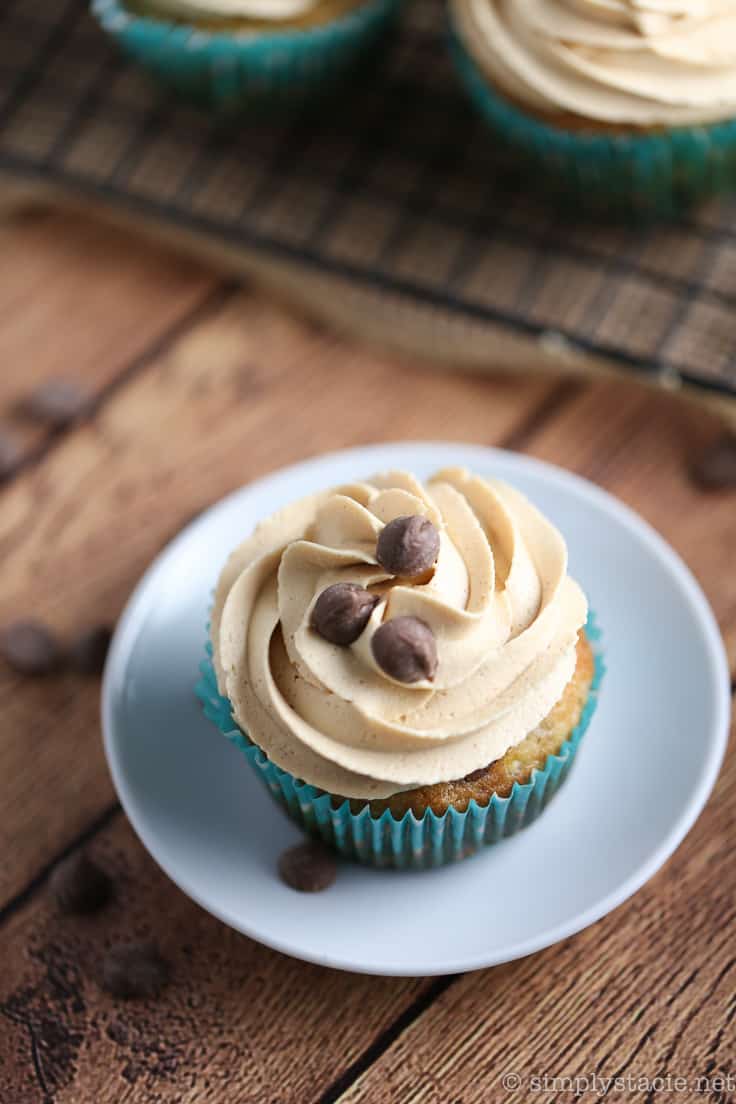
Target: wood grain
647,992
641,451
238,1023
77,302
244,392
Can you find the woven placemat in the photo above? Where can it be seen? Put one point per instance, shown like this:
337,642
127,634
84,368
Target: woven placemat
390,211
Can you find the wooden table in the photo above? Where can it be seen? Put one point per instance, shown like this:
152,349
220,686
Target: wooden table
201,386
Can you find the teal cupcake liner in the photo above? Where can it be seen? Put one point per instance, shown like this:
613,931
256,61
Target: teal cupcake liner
230,71
629,174
411,842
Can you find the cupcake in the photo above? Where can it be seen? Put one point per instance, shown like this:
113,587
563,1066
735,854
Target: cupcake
235,54
406,666
627,107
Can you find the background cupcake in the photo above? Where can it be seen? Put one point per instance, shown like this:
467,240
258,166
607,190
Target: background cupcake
406,664
624,107
236,54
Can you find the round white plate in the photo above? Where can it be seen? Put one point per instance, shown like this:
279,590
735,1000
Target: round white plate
653,749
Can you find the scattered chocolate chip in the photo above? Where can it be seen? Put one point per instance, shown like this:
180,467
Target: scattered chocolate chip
308,867
715,468
408,546
30,648
87,653
10,454
134,970
57,402
79,885
342,612
405,648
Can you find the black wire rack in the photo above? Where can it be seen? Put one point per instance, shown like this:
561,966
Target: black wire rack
397,187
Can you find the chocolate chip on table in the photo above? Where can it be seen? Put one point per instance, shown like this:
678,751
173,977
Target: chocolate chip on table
30,648
88,651
56,402
715,468
79,885
405,648
408,546
342,612
134,970
308,867
10,454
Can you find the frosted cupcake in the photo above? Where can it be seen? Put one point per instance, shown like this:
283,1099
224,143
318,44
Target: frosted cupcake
406,664
624,106
236,54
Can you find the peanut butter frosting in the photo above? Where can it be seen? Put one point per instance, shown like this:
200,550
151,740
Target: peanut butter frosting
639,63
260,11
503,611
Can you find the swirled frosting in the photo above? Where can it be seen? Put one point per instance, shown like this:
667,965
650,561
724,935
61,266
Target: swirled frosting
633,62
503,610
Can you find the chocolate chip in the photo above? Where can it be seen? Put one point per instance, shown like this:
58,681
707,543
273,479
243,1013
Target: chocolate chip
79,885
715,469
30,648
342,612
88,651
308,867
134,970
10,454
405,648
57,402
408,546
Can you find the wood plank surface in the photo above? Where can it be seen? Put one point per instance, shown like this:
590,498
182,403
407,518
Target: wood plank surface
647,992
242,388
245,391
77,302
641,448
238,1023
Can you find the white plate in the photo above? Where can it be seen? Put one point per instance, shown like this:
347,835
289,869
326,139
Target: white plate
654,746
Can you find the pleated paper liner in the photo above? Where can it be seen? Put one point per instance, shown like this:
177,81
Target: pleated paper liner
631,175
411,842
235,71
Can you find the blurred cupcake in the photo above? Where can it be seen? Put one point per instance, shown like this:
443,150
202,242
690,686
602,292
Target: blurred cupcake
624,107
406,665
235,54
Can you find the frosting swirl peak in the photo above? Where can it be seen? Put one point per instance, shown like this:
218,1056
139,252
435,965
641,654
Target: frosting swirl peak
503,612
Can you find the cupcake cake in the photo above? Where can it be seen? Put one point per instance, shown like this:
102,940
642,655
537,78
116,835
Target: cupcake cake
405,665
236,54
624,105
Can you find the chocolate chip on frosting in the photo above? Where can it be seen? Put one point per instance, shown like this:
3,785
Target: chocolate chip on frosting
342,612
405,648
408,546
316,707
